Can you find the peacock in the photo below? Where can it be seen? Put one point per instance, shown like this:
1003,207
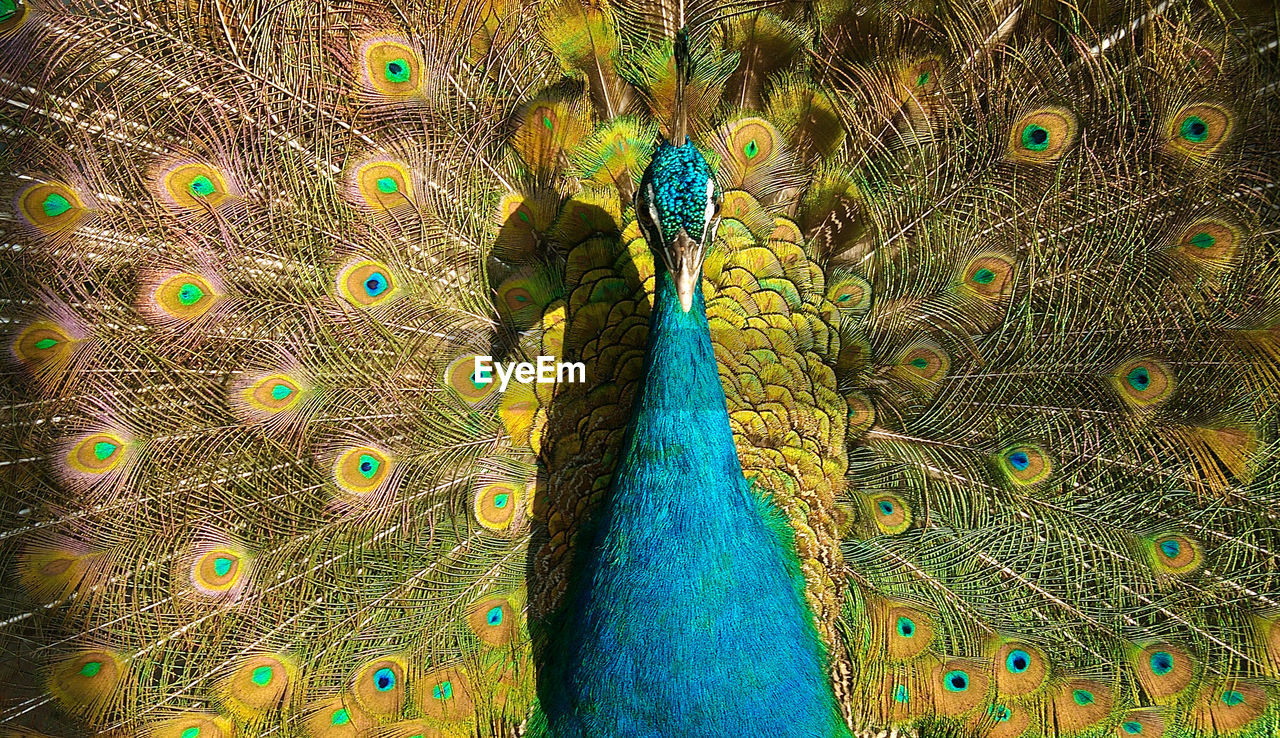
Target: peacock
914,368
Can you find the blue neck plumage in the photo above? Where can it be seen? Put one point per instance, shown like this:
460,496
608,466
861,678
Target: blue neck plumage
681,403
689,615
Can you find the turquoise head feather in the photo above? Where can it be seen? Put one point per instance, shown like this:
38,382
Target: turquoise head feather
678,211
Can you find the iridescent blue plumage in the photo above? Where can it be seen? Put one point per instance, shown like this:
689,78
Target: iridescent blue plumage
677,213
679,177
686,614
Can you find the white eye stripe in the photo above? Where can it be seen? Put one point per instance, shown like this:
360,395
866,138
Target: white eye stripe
652,208
711,199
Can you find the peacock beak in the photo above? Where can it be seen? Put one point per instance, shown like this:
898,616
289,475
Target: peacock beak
684,261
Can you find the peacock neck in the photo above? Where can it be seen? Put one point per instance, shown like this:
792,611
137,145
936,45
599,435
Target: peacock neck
691,617
681,406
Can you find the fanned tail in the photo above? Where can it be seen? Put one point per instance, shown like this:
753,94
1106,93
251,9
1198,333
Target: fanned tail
995,298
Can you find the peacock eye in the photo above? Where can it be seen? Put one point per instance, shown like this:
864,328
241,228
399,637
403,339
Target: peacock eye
375,284
398,71
1035,137
185,296
50,207
1194,129
361,470
366,283
383,185
8,9
1025,465
384,679
1043,136
195,186
1144,383
956,681
1200,130
391,68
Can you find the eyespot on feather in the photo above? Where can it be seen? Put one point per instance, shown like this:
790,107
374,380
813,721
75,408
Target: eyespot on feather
495,621
1142,383
366,283
51,207
1141,723
97,453
522,298
1020,669
849,293
919,78
750,153
989,275
185,296
1043,136
87,680
537,137
392,68
547,132
1024,465
195,186
219,571
925,364
496,504
52,570
461,376
1004,720
960,685
905,692
521,224
13,14
751,141
1173,554
522,415
273,393
861,415
384,185
445,694
379,686
917,87
613,157
1080,704
340,717
1209,241
1223,706
1163,670
740,207
42,344
1198,131
889,512
361,470
259,684
908,631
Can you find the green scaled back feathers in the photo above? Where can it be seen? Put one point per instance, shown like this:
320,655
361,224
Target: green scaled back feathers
994,297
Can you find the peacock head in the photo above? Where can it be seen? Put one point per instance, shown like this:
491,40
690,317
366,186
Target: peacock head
678,209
